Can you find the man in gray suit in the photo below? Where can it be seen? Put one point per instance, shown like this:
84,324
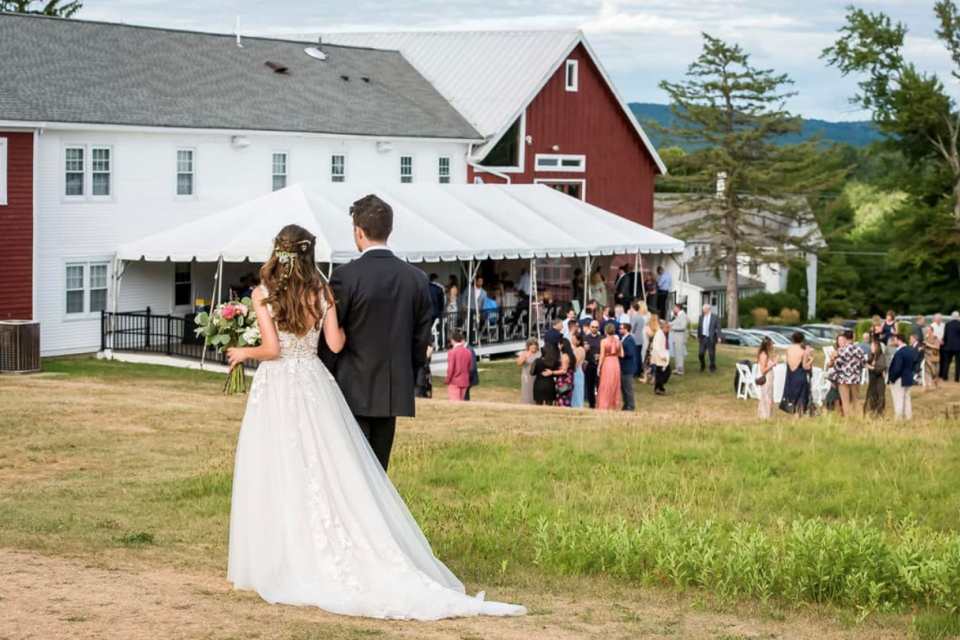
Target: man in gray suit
708,334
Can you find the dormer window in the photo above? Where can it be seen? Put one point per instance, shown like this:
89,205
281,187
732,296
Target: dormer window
571,75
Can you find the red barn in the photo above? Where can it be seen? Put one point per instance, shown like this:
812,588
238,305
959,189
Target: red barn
16,223
546,107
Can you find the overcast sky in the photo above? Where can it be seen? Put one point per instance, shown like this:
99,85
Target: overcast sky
640,42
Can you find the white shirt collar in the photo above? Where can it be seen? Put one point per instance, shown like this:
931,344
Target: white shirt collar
376,247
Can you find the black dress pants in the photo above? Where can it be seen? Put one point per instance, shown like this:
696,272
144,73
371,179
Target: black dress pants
590,382
379,433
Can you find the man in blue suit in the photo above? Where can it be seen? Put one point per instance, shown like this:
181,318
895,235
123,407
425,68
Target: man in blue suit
901,375
629,364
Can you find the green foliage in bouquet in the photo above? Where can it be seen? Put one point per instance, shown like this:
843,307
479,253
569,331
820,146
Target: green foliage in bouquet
231,324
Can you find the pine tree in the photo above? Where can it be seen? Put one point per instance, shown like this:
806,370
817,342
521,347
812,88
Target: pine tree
733,112
48,8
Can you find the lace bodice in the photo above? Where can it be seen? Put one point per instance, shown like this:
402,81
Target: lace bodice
294,346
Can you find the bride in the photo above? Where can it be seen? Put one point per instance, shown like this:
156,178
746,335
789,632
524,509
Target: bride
314,518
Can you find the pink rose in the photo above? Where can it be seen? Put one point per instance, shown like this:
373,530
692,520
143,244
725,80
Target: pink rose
229,311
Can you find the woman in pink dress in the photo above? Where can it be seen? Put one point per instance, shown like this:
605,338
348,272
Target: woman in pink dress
608,391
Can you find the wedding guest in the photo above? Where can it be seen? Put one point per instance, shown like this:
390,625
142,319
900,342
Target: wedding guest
796,387
766,362
598,288
474,371
664,284
848,371
901,377
876,327
678,338
525,360
620,314
592,343
573,329
876,401
453,308
865,343
577,286
708,334
628,366
589,313
563,379
950,350
931,358
919,329
580,357
544,388
937,326
571,319
608,390
638,324
889,327
623,286
917,345
648,332
650,289
459,363
609,318
659,356
437,296
523,284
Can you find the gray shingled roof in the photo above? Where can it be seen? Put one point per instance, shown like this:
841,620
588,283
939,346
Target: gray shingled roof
93,72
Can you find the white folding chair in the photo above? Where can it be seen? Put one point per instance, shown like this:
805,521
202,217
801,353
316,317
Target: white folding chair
827,354
747,385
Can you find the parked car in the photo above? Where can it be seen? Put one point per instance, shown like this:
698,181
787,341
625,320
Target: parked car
779,340
827,332
738,338
811,338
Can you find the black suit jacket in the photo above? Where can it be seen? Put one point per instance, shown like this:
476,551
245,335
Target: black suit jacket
386,310
951,335
713,331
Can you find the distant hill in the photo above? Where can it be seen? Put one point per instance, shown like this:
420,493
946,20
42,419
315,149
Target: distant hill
856,134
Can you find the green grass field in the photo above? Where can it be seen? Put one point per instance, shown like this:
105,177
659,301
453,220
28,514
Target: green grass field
691,493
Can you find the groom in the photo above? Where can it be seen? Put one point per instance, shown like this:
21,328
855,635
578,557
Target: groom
386,311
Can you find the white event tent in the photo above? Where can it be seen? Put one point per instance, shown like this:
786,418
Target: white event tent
432,223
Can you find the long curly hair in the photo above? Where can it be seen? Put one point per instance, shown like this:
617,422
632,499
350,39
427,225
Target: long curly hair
293,281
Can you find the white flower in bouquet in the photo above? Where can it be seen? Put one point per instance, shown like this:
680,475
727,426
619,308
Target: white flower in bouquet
231,324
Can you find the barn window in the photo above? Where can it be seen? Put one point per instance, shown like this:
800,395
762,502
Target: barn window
338,168
558,162
3,171
571,75
406,169
185,172
74,171
279,171
506,153
443,170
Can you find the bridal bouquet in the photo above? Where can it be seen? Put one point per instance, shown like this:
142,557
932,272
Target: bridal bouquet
230,324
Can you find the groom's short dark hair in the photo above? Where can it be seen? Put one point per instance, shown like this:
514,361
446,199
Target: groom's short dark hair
374,216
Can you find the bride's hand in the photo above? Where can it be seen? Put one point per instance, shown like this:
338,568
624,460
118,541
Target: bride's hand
236,356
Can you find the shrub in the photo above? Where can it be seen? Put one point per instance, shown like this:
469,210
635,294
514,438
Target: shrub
772,302
789,316
759,316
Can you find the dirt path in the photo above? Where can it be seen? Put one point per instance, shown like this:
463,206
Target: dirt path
54,598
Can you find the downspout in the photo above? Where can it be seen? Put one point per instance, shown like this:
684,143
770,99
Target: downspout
481,169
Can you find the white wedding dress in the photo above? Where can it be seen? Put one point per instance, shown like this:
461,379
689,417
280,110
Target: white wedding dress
315,520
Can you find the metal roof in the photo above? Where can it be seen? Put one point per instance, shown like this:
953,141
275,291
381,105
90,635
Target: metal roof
78,71
490,76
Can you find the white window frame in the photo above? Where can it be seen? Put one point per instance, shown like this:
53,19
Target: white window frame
412,175
560,157
89,170
440,174
581,181
273,170
480,169
87,264
3,172
176,174
342,175
571,82
73,197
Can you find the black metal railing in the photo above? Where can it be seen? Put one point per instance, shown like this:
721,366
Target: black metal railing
495,326
147,332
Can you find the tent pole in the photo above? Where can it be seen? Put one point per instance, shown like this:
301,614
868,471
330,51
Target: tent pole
586,281
214,301
118,266
530,305
643,285
535,293
469,297
636,272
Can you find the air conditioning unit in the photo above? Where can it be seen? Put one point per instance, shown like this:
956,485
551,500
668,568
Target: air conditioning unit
19,346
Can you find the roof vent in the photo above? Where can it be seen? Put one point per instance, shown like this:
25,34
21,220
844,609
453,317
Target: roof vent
315,52
365,79
276,66
345,78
